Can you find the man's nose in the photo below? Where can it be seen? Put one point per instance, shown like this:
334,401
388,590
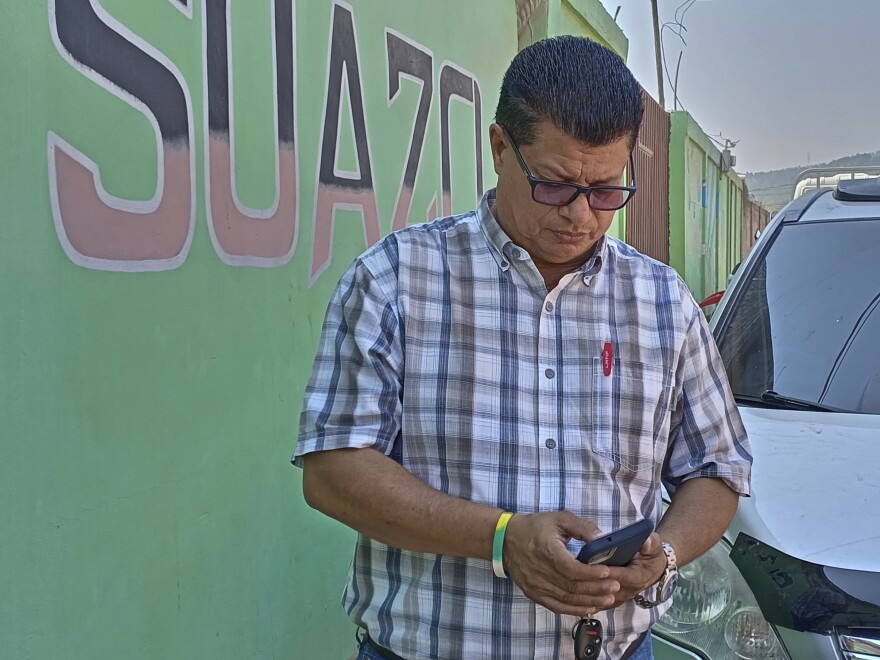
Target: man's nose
578,210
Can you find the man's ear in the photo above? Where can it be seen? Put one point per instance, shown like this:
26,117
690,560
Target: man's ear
498,145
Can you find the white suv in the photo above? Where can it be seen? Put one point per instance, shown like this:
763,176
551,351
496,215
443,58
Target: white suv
798,573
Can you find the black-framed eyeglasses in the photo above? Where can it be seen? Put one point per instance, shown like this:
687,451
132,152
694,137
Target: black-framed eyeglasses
560,193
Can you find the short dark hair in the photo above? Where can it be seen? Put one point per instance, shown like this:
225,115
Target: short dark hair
584,89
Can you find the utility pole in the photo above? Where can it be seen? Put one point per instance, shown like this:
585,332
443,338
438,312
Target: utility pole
658,53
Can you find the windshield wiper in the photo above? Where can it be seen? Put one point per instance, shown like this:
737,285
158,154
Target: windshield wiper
774,397
787,402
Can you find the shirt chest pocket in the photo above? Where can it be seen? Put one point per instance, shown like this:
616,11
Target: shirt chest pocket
631,408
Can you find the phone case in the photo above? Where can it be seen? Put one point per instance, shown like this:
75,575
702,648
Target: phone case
617,548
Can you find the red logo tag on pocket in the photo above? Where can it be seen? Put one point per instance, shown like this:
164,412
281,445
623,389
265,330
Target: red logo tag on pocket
607,358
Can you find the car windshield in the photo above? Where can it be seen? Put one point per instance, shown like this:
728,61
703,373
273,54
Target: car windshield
807,324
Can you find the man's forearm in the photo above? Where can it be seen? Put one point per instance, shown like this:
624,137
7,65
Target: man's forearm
700,511
374,495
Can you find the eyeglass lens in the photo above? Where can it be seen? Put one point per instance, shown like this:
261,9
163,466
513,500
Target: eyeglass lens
559,194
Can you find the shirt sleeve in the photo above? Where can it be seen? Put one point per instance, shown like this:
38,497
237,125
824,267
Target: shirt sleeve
354,395
707,437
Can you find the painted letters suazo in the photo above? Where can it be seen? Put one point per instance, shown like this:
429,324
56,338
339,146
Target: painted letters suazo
100,231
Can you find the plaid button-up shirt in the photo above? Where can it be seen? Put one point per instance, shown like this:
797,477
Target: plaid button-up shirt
443,349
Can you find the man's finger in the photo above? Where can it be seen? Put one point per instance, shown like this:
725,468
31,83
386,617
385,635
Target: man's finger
583,607
592,581
578,528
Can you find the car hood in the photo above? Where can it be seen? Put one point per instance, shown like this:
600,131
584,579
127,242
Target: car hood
815,486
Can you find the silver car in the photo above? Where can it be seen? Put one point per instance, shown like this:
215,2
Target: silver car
797,575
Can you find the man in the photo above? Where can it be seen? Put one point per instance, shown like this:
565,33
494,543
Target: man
515,359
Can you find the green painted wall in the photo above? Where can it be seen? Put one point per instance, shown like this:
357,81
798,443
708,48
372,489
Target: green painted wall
153,361
587,18
705,208
173,223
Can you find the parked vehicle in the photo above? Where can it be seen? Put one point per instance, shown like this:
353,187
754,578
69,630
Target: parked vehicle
797,575
828,177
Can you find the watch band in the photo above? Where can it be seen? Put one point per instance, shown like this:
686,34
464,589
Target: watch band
666,585
644,603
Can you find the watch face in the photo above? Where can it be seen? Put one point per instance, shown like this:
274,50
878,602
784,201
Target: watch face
668,587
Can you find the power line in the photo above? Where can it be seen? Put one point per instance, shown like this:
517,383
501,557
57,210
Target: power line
722,141
779,187
671,25
678,22
663,54
689,3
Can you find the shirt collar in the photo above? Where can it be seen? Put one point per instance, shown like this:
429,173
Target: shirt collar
504,249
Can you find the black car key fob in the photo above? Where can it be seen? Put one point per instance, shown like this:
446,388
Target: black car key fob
587,634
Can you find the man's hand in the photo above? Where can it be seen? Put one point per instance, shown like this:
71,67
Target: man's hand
644,570
536,556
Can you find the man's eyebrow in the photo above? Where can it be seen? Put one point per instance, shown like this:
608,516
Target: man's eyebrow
552,173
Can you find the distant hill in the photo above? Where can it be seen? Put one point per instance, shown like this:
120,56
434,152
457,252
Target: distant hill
773,188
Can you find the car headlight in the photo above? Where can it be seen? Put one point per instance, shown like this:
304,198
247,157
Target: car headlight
714,611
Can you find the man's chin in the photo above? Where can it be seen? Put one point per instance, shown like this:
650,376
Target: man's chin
565,254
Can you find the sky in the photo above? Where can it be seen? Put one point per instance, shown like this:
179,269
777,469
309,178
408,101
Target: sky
794,82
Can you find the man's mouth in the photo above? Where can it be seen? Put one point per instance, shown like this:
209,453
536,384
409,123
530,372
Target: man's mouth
570,236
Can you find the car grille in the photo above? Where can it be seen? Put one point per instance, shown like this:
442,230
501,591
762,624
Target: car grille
860,643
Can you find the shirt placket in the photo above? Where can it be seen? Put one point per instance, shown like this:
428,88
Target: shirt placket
550,438
548,421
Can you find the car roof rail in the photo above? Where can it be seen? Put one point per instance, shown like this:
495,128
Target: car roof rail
796,209
858,190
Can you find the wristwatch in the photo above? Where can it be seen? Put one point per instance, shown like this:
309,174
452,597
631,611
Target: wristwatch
666,585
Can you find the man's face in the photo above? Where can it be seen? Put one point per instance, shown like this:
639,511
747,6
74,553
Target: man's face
554,235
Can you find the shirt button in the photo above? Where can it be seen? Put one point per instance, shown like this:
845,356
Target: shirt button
504,264
549,373
549,306
517,254
551,443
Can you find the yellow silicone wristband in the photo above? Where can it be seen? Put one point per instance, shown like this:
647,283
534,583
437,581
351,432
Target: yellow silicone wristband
498,545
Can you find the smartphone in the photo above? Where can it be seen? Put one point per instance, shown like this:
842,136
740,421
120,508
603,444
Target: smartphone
617,548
